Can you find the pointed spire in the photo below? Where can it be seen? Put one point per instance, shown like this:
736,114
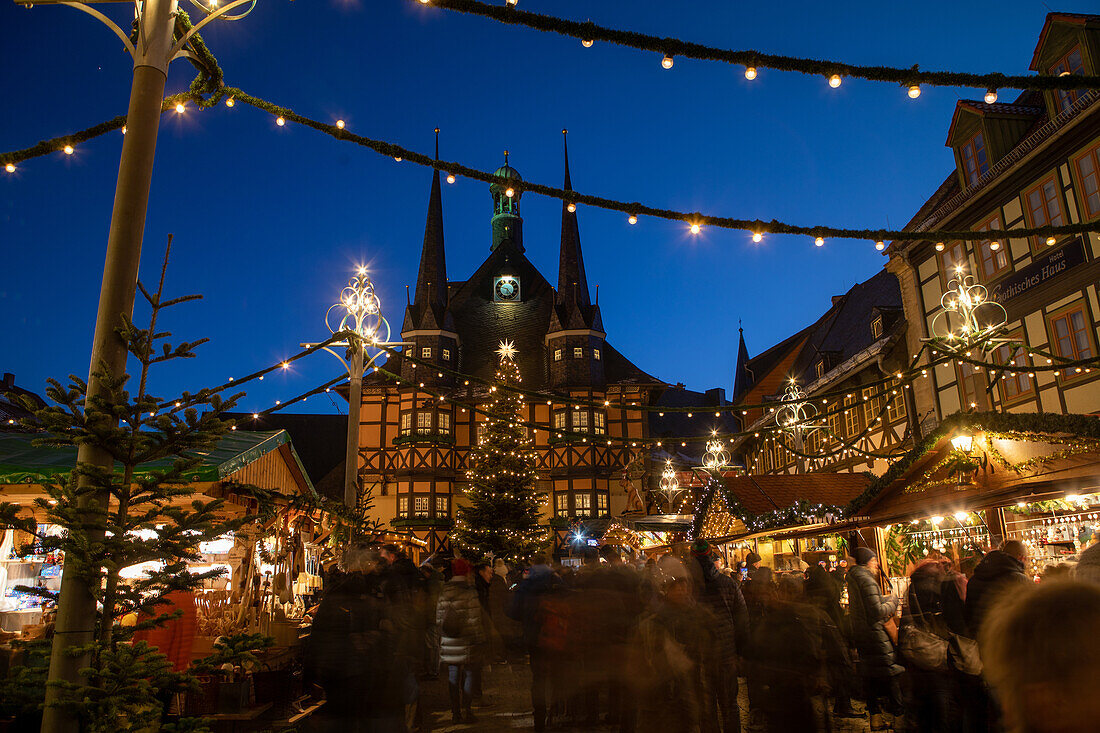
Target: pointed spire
572,282
430,299
742,377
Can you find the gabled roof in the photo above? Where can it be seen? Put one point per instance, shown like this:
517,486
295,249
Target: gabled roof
767,493
762,364
318,440
1078,19
21,462
1034,109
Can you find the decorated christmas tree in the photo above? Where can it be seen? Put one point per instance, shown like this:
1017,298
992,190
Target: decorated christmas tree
501,518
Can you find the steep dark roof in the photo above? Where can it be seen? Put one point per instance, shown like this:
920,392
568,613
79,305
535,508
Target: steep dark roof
1070,18
676,424
428,309
760,494
760,365
845,330
573,304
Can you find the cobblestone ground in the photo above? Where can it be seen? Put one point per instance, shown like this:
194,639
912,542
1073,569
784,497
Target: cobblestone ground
507,706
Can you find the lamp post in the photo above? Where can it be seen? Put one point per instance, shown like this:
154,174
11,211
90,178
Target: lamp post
152,49
364,326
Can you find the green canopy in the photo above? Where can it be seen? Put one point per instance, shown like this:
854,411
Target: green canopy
22,462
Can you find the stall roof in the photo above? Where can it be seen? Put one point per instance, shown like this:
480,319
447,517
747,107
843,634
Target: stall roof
22,462
1034,456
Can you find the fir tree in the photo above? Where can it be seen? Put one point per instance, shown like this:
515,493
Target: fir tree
501,519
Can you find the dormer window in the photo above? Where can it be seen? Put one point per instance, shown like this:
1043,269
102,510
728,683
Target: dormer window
975,160
876,327
819,369
446,354
426,352
1068,65
578,352
557,354
596,354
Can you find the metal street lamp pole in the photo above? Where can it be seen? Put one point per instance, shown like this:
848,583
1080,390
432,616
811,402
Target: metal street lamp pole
152,50
365,326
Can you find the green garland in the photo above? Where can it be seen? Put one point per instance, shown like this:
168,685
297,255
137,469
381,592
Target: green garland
632,208
589,31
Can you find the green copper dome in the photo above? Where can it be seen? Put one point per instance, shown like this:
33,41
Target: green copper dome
505,171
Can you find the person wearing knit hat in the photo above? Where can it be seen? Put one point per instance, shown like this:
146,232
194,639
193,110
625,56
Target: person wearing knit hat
752,560
458,615
864,555
700,548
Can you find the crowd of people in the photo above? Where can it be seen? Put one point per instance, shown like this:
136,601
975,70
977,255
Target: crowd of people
665,644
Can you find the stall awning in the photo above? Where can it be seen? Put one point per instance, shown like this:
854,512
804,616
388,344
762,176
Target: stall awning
23,462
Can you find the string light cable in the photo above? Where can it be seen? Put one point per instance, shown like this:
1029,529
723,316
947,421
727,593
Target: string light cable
910,78
696,220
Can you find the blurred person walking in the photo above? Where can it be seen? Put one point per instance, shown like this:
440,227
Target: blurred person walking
723,597
868,613
461,636
526,608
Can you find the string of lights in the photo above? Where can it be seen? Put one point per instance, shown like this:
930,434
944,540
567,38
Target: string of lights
283,404
695,221
911,78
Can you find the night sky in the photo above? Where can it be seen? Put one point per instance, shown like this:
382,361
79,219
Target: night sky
269,222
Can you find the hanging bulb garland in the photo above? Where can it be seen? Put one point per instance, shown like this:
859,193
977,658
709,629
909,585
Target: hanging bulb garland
750,72
667,62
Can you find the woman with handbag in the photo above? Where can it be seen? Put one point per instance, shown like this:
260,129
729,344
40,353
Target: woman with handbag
869,613
930,673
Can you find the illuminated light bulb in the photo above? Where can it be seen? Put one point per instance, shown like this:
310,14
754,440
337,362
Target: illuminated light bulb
513,2
1051,241
510,192
757,237
914,91
340,124
695,228
939,246
666,62
750,72
229,102
587,42
994,245
834,81
424,2
819,242
285,365
10,168
280,121
571,208
880,246
397,158
68,149
124,129
278,402
991,96
450,178
180,109
632,219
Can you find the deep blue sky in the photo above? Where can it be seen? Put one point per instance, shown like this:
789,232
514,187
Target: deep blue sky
268,221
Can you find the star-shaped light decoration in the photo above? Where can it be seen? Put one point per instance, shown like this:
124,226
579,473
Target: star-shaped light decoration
507,351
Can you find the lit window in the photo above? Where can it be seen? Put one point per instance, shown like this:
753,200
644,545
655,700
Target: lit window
851,416
973,387
446,354
583,503
876,327
895,409
992,261
406,423
426,352
975,160
444,422
561,504
601,503
578,352
580,421
873,403
420,506
559,420
1069,64
1069,334
1088,173
402,506
1014,385
599,422
423,422
1044,206
557,354
596,354
441,508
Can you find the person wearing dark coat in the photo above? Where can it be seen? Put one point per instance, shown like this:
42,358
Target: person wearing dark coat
933,692
722,595
461,635
999,570
759,592
352,650
526,607
868,612
823,592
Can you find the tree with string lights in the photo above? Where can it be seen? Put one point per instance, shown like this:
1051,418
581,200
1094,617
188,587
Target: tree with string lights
501,518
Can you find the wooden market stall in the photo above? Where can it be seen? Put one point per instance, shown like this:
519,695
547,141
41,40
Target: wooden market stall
271,567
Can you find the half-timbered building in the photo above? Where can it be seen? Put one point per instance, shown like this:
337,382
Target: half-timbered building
415,437
1031,161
